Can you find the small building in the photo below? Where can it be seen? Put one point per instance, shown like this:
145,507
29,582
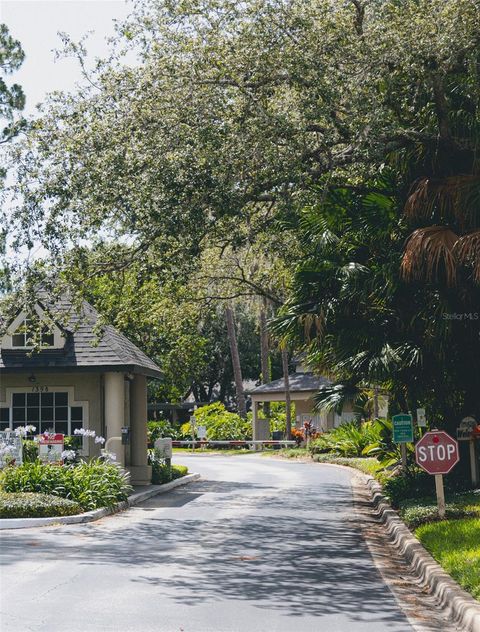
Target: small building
304,385
83,375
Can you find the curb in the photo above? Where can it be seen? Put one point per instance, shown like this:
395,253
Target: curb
462,607
96,514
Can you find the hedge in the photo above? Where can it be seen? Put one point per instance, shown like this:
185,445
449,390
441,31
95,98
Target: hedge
31,505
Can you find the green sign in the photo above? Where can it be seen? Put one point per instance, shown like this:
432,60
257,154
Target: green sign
402,428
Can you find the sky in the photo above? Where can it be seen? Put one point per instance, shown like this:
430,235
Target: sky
36,24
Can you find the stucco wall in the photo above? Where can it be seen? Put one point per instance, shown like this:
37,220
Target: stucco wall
86,388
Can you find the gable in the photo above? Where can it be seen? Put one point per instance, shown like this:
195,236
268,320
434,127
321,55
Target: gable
17,334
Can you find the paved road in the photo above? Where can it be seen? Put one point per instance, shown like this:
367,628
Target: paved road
259,545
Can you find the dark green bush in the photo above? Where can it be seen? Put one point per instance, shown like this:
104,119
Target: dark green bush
161,472
416,516
30,451
159,429
413,484
30,505
91,484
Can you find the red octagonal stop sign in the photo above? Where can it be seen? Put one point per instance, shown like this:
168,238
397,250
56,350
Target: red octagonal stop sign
437,452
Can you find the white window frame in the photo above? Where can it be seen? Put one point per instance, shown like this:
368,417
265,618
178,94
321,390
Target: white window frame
8,403
7,340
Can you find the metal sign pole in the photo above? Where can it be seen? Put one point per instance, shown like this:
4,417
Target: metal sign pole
403,451
440,495
473,462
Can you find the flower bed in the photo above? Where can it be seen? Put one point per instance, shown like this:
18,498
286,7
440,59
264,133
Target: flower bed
91,484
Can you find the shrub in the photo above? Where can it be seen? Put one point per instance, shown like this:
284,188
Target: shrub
278,416
30,505
30,451
348,440
412,484
221,425
96,484
161,472
416,516
91,484
158,429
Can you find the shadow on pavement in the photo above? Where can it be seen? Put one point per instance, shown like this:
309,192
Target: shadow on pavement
290,551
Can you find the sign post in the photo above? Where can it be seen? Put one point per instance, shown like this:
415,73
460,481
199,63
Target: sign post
163,450
192,429
421,418
403,433
437,453
50,448
466,432
202,434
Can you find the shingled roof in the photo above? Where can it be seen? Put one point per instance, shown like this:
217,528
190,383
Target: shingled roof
298,382
85,349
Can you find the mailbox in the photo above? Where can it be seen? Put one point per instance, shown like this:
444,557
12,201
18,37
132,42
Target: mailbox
125,435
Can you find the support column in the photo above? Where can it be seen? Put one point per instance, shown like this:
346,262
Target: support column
260,427
140,471
114,415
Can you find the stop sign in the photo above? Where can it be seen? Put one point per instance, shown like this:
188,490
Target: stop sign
437,452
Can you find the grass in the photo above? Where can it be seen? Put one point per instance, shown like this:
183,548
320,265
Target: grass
291,453
455,544
210,451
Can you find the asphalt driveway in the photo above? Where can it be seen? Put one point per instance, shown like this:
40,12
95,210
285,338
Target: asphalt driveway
258,545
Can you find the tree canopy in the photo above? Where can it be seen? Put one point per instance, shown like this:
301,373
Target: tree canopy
321,154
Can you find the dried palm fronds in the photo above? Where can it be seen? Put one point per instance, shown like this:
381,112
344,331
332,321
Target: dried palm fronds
467,251
429,254
456,197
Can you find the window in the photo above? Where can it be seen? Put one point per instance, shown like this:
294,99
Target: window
4,418
25,336
48,411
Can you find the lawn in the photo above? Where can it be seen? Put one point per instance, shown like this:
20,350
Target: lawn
210,451
455,544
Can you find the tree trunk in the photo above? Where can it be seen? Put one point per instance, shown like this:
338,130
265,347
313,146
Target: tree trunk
237,368
288,424
264,348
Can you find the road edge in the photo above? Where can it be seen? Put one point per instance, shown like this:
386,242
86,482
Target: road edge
462,608
96,514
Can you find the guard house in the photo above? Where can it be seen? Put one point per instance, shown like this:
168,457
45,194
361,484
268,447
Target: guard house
304,385
83,376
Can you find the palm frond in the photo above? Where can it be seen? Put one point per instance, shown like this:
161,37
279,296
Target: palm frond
429,254
467,251
456,197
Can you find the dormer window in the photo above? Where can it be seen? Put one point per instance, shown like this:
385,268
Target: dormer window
33,329
24,337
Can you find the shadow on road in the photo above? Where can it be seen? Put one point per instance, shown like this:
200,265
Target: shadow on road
297,553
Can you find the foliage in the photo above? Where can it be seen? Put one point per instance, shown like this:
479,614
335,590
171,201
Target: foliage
159,429
416,484
221,425
348,440
32,505
30,451
161,473
12,99
338,137
418,511
277,415
455,545
170,321
91,484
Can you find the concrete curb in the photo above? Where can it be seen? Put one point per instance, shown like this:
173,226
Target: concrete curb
462,607
96,514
